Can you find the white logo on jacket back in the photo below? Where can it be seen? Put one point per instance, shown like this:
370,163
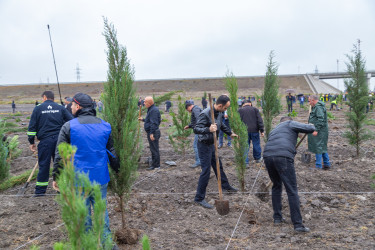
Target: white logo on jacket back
50,110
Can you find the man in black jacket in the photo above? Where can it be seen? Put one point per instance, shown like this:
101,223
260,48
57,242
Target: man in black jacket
254,122
152,122
195,111
45,123
204,103
93,150
206,130
278,156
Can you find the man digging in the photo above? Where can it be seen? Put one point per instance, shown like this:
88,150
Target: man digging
205,129
279,154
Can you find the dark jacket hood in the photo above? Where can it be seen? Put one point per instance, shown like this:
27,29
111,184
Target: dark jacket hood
85,111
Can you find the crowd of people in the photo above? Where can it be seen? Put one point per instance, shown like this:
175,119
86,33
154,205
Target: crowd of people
74,122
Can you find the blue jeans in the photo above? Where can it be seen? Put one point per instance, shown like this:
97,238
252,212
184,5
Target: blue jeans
318,160
257,150
221,134
197,160
90,202
207,157
281,171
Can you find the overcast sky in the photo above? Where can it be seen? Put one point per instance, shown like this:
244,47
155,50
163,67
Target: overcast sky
181,39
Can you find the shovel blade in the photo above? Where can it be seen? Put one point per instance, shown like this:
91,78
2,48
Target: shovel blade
22,190
222,207
306,157
263,192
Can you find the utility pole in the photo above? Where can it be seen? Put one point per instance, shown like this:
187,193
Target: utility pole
78,73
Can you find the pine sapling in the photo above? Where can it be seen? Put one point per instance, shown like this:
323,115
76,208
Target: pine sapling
146,243
272,104
358,90
179,135
121,111
238,127
14,151
4,164
75,188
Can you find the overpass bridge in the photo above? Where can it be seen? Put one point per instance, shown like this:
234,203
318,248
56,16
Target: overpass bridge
318,86
340,75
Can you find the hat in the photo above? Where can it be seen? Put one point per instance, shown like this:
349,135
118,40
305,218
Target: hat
69,99
83,100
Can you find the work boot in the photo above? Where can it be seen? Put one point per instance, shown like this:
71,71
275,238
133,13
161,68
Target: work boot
204,204
39,195
230,190
302,229
278,221
325,167
152,168
259,160
195,165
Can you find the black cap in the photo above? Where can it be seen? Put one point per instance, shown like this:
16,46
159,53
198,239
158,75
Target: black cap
83,100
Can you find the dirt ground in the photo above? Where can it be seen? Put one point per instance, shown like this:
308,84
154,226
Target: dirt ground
338,204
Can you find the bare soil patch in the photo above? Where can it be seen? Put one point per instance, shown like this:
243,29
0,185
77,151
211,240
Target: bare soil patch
338,204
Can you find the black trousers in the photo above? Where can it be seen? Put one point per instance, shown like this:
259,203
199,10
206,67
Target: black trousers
290,107
281,171
207,158
46,150
154,148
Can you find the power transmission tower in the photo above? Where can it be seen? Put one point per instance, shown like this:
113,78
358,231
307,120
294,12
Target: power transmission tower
78,73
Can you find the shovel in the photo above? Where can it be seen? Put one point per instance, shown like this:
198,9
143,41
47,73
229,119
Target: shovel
222,206
23,189
262,193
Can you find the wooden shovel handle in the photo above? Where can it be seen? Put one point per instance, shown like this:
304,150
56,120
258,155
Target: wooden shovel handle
32,172
216,150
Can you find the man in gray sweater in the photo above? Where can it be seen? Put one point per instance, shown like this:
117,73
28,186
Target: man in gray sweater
278,155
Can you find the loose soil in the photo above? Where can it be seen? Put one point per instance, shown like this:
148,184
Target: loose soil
338,204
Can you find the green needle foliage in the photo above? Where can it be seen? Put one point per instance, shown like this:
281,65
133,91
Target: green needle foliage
121,111
236,124
358,90
4,164
14,151
293,114
179,136
146,243
167,96
74,189
272,105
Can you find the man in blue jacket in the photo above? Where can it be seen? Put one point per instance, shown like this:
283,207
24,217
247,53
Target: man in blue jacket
45,123
92,137
278,155
152,122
